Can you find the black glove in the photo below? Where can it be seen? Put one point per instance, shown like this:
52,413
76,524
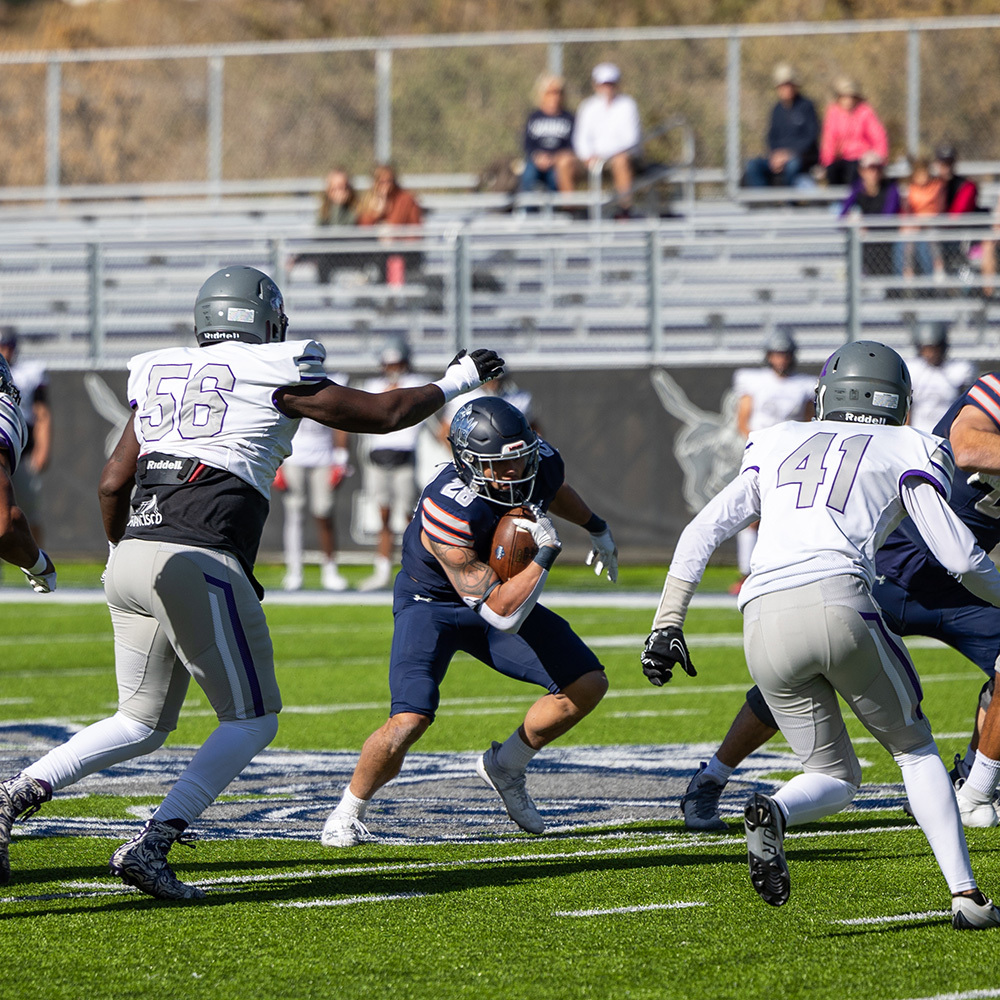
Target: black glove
488,363
664,650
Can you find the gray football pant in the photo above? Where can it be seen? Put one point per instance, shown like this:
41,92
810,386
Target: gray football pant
804,646
180,611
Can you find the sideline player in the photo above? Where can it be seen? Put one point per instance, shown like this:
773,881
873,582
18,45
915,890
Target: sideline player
827,495
212,423
917,595
766,396
447,598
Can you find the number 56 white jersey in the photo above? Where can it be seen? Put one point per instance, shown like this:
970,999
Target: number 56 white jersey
827,494
216,404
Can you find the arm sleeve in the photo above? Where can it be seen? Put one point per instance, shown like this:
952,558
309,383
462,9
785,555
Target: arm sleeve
732,508
952,543
513,621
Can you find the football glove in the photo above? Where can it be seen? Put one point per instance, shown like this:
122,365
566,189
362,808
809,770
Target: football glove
542,530
665,649
468,371
111,551
42,581
604,554
280,483
339,470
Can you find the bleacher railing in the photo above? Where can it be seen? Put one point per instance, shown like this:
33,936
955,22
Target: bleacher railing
211,120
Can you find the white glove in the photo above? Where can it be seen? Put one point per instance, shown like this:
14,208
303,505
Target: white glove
604,553
469,371
543,531
41,576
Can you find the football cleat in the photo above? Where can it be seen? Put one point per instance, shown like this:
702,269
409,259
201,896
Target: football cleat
142,862
512,789
20,797
700,803
765,831
331,579
344,831
973,913
976,810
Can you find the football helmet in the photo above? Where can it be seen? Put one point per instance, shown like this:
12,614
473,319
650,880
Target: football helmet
239,303
7,387
488,430
933,334
781,339
864,382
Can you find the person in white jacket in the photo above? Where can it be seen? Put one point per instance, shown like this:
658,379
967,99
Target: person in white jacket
827,494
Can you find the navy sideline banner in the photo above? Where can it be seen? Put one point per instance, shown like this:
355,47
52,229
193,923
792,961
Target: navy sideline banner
645,448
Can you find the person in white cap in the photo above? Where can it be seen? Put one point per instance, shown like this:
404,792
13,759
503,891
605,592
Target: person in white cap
607,129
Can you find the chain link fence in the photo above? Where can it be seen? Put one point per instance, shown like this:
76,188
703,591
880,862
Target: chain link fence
217,115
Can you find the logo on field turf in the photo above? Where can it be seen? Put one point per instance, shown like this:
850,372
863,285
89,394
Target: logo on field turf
438,797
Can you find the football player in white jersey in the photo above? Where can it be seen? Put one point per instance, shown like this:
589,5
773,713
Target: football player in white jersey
827,494
212,424
937,382
768,396
17,545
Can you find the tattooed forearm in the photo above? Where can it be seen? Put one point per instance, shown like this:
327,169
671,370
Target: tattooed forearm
467,574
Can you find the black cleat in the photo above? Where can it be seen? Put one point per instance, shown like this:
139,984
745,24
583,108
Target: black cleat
765,830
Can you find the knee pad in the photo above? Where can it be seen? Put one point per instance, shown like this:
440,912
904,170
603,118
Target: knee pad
760,708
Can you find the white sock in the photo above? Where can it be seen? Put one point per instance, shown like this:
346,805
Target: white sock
100,745
514,754
351,805
813,795
928,787
716,771
228,749
984,776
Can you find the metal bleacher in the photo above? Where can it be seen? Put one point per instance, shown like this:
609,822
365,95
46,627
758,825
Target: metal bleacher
89,283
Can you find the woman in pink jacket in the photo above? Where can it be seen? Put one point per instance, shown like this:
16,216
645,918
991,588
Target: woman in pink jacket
850,129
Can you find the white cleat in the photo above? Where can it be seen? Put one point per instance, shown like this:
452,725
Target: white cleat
976,809
973,913
512,789
344,831
332,579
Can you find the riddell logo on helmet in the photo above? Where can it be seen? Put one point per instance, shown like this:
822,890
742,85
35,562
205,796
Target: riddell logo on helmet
220,335
863,418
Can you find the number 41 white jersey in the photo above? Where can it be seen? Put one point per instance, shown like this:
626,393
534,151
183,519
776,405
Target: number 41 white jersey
827,494
216,404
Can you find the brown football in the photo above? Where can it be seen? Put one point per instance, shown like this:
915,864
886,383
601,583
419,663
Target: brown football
513,547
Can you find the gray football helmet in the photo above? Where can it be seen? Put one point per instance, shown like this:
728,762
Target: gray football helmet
7,387
929,334
239,303
781,338
866,383
488,430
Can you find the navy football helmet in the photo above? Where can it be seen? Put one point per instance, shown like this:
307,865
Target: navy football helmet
239,303
488,430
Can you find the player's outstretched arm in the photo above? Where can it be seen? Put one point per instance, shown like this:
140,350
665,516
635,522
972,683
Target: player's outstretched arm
117,481
568,504
975,441
378,413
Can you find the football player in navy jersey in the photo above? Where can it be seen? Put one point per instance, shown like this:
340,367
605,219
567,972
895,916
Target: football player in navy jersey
917,596
447,598
183,498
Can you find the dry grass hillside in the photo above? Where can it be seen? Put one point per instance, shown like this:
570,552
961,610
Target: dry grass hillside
454,109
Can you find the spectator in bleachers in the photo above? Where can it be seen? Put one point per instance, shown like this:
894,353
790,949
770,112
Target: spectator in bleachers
850,129
386,203
548,139
792,137
923,194
339,204
936,382
873,194
961,197
607,129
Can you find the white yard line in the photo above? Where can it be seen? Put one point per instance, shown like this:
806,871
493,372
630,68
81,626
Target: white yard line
307,904
625,909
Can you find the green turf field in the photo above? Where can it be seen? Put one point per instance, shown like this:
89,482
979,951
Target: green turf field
617,902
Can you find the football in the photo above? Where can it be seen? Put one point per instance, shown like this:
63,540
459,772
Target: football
513,547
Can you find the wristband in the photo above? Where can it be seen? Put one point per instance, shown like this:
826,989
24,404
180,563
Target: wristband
595,525
546,556
39,565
